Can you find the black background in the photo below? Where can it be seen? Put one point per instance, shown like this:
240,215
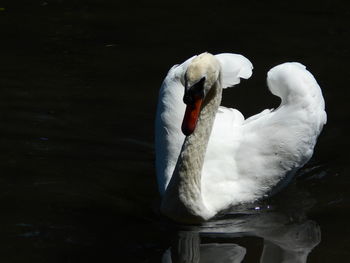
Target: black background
79,83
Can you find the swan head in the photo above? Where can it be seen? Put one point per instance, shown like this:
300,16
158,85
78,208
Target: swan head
200,77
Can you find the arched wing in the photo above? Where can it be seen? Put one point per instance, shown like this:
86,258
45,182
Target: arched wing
233,67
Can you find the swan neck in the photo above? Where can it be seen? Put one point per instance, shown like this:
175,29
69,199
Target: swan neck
183,198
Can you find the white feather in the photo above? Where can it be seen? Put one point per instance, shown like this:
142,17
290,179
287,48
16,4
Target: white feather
233,67
245,159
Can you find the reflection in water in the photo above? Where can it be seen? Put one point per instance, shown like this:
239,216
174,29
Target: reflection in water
188,249
288,236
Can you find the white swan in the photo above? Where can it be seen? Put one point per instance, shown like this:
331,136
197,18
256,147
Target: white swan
226,160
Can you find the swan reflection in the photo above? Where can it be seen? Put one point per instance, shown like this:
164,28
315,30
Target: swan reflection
287,237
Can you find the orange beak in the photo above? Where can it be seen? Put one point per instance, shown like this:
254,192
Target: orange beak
191,116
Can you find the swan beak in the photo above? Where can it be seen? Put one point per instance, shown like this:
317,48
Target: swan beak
191,115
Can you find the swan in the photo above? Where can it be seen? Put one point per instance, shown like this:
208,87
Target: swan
209,157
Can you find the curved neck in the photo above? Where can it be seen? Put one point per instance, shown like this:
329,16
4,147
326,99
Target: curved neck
182,200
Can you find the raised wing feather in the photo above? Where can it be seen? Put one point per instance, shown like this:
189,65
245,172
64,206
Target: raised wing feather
233,67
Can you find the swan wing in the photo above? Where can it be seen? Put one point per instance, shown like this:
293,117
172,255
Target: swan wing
281,141
262,153
233,67
168,135
259,115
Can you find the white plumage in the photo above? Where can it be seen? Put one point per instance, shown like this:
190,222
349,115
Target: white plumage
244,159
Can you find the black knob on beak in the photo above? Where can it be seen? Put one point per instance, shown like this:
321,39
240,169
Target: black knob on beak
193,92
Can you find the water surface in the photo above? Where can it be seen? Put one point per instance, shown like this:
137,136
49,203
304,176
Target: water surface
79,83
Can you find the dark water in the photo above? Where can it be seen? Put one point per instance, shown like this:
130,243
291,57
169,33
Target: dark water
79,83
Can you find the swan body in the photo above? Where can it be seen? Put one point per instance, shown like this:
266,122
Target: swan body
226,160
